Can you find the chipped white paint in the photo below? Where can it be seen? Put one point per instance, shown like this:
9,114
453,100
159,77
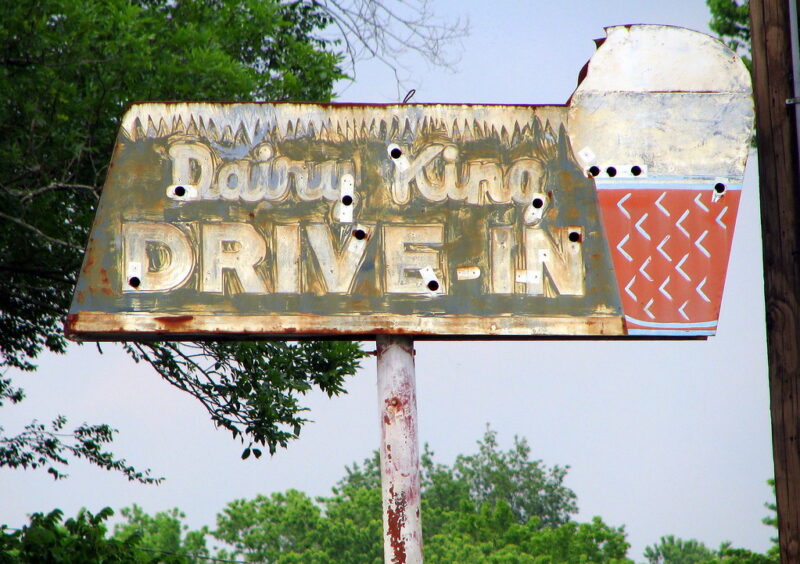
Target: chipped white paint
173,248
347,203
649,96
358,219
468,272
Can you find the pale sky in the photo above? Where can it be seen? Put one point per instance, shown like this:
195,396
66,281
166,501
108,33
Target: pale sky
662,437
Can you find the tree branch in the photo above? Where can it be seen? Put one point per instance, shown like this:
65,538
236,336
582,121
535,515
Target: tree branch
40,233
28,196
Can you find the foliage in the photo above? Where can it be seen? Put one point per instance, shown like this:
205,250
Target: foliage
80,540
772,521
492,506
266,528
460,524
671,550
730,19
163,534
528,487
67,71
38,446
251,388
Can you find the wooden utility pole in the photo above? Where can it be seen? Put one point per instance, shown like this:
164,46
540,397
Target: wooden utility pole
773,85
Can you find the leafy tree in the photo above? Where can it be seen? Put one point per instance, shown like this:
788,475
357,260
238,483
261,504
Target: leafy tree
730,555
517,510
163,535
79,540
772,520
671,550
528,487
265,528
39,445
67,71
730,19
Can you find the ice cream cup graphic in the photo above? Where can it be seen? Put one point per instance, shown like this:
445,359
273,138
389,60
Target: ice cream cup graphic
662,120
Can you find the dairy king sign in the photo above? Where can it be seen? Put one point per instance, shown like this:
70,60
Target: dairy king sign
609,216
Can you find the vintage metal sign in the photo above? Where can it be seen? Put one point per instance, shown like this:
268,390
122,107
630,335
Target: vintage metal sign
609,216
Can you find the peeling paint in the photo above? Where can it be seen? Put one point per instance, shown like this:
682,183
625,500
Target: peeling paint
600,217
399,451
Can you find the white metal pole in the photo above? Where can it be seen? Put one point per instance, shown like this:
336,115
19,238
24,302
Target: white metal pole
402,526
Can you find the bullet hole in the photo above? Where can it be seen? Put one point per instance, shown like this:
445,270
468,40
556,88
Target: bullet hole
574,236
180,191
636,170
611,171
719,187
396,153
433,285
347,200
394,402
359,234
538,203
134,281
594,171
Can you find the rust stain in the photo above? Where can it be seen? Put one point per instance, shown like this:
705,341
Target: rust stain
396,520
95,324
89,261
174,319
467,186
69,325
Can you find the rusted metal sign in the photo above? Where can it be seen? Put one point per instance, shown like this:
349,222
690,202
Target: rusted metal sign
611,215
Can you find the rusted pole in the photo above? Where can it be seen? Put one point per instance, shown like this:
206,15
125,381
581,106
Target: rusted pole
397,397
778,168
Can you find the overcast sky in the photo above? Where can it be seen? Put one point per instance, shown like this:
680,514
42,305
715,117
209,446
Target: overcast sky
663,437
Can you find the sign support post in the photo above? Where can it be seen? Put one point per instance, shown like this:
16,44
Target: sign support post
400,488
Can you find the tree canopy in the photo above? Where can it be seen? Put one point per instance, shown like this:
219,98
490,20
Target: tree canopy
730,19
490,506
471,513
67,71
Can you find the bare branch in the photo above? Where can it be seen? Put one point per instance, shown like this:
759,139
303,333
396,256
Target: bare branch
36,230
386,29
28,196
